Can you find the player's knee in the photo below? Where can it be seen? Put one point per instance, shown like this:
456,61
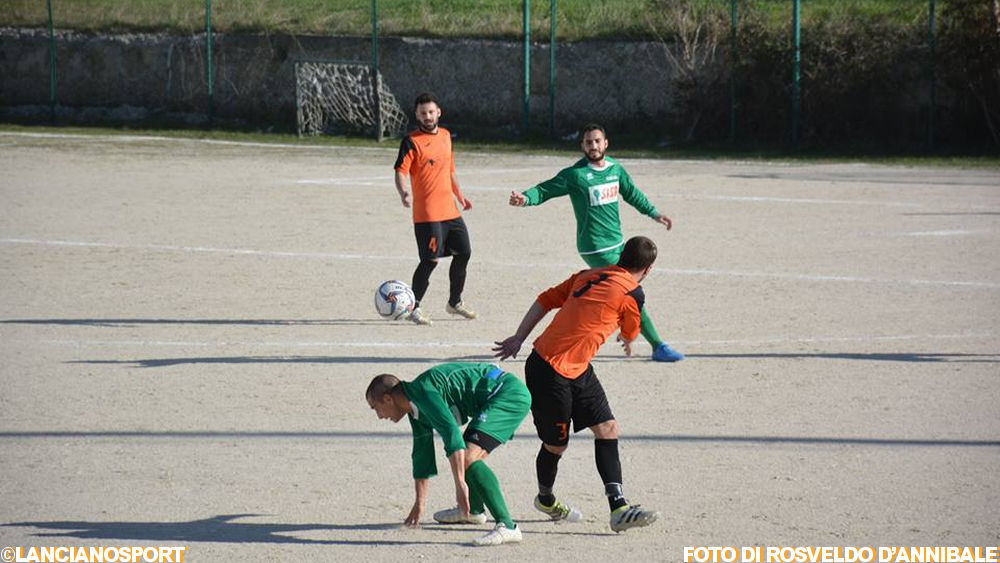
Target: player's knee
607,430
557,450
474,453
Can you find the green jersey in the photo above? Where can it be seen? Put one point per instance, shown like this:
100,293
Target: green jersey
594,194
444,398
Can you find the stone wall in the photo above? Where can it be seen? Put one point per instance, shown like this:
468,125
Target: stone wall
479,82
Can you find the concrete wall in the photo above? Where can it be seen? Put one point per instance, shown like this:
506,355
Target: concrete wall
479,82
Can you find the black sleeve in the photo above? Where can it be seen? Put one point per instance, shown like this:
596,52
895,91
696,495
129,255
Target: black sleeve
405,146
639,296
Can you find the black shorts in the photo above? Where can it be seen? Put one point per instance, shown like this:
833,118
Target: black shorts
556,401
437,239
481,439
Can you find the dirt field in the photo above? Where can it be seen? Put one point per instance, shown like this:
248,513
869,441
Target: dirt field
187,331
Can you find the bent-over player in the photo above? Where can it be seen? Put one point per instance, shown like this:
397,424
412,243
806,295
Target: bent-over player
495,401
565,389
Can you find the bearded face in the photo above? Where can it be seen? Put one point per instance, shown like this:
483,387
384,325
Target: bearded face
594,145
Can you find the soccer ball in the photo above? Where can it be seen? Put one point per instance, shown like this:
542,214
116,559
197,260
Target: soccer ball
394,299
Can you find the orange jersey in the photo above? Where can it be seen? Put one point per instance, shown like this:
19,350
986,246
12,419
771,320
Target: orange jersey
592,304
427,159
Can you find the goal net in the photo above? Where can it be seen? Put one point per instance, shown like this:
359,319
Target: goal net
340,98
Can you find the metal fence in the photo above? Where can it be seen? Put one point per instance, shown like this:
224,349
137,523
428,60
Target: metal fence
833,72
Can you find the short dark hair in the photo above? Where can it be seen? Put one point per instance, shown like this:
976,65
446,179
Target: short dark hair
426,98
592,127
381,385
639,253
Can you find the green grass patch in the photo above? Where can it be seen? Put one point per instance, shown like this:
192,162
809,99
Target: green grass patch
500,19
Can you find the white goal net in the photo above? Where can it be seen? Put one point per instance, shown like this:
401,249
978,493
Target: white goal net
340,98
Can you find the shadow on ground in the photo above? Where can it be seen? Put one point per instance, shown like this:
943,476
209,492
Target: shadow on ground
220,529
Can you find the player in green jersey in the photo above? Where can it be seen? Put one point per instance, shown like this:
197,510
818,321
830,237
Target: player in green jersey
594,186
443,398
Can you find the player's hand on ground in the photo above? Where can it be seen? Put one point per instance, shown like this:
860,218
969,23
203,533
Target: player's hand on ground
517,200
413,519
664,220
507,348
626,345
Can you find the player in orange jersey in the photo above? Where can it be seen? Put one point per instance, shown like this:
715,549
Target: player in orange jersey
564,388
425,156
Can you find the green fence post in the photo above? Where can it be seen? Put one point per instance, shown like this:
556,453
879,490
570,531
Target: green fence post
209,62
376,95
732,75
931,77
796,72
527,67
552,66
52,64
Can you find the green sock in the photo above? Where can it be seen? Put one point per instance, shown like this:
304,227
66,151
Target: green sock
481,477
648,330
476,505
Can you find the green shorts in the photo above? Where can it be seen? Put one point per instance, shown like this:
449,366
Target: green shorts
503,414
601,259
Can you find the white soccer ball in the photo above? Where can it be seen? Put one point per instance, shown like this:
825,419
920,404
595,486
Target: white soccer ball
394,299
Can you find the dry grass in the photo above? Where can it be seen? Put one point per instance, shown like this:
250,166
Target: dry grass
577,19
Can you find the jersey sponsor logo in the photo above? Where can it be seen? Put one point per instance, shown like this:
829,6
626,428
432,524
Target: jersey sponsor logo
603,194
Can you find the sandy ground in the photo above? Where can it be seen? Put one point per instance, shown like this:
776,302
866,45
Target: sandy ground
187,331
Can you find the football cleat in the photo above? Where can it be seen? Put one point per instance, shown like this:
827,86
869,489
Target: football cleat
500,535
631,516
559,511
455,516
460,310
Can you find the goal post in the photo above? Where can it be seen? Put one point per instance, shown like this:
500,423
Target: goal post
343,97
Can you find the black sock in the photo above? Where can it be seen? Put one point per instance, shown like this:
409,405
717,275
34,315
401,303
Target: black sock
610,467
422,279
546,467
456,276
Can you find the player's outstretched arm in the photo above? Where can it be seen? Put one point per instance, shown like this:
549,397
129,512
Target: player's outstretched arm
663,220
510,346
517,199
421,486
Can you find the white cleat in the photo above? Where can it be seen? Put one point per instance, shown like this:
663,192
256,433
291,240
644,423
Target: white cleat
559,511
631,516
500,535
460,310
418,317
455,516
